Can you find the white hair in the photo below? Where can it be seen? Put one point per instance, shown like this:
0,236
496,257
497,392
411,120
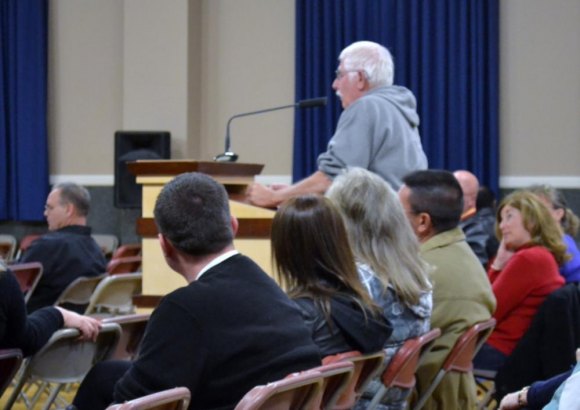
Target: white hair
372,58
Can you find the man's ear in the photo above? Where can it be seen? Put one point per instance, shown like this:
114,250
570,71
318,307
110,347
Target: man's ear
235,224
166,245
70,209
362,82
424,224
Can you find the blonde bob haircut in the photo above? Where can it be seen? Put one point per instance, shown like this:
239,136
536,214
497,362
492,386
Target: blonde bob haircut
379,232
537,220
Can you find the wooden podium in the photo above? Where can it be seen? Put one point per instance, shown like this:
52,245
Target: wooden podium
252,239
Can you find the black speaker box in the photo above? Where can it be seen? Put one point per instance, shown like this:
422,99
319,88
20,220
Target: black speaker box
131,146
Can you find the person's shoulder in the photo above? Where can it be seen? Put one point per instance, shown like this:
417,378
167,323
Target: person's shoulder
534,254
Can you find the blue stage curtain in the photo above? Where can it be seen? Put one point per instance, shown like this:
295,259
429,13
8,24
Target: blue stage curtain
23,100
445,51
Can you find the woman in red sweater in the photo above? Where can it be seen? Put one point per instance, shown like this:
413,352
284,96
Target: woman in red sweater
524,272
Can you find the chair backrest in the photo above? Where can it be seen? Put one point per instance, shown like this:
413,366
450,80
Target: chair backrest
66,359
133,329
114,294
402,368
7,247
298,391
129,249
172,399
28,275
130,264
80,290
335,379
460,359
10,360
107,242
25,243
366,367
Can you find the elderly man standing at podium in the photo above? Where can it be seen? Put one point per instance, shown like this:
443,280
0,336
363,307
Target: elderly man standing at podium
378,129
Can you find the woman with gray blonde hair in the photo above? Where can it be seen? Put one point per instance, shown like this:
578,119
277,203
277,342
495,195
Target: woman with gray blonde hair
567,220
387,254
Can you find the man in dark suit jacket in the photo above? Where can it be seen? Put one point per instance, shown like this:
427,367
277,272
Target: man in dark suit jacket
229,330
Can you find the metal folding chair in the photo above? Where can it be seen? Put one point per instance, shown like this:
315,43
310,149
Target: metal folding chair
400,372
366,368
460,358
114,295
28,275
107,242
173,399
298,391
10,360
129,264
64,359
7,247
133,328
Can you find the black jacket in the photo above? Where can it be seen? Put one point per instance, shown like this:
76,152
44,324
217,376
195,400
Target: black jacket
548,347
350,327
479,233
66,254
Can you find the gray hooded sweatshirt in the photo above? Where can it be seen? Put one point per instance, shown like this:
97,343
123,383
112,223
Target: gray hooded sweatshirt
378,132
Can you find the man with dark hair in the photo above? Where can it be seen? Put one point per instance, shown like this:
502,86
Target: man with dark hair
68,251
230,329
462,294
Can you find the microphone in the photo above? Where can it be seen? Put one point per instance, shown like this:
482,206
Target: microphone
230,156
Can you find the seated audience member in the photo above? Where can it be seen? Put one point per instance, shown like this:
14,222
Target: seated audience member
388,260
485,205
523,273
543,393
68,251
475,231
462,295
568,222
30,332
312,255
230,329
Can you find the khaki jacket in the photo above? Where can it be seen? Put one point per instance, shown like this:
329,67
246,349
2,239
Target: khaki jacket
462,296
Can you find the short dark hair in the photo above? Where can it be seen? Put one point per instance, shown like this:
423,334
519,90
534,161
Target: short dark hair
71,193
437,193
193,213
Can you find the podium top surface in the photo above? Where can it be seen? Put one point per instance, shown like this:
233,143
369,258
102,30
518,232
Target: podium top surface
176,167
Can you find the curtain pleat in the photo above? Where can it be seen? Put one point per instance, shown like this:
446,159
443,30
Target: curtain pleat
23,99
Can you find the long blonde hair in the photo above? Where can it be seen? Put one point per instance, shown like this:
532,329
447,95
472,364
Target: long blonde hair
537,220
380,233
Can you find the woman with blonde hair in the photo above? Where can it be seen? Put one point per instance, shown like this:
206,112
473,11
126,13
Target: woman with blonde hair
311,253
568,221
524,272
387,253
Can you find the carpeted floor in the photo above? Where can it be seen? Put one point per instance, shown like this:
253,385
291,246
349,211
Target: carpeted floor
65,397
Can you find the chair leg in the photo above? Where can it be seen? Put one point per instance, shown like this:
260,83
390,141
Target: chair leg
52,396
419,405
16,391
488,396
377,398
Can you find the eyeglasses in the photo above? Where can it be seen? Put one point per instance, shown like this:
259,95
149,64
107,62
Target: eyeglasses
341,73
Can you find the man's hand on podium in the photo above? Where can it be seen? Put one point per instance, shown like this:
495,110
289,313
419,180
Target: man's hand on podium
263,196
